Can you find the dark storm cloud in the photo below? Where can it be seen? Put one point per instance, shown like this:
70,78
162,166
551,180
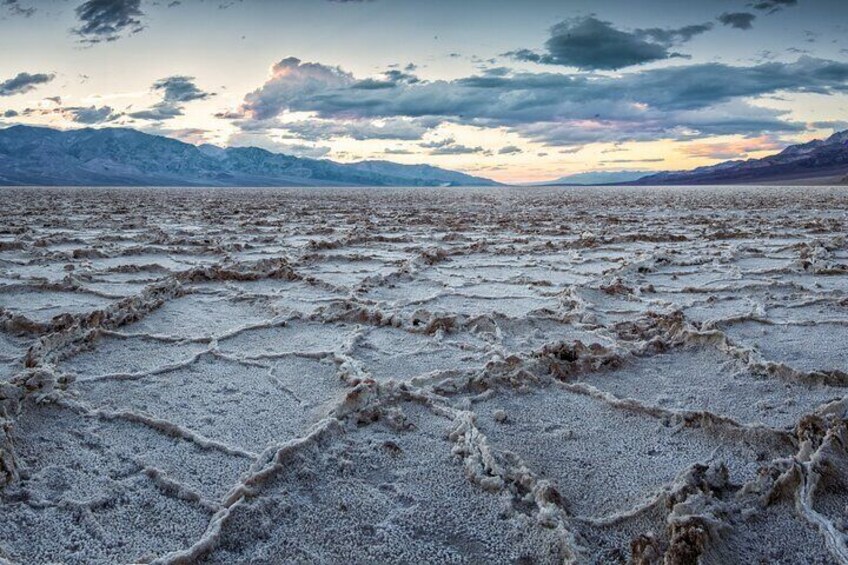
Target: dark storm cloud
592,44
566,109
175,92
107,20
10,114
14,7
23,82
739,20
772,6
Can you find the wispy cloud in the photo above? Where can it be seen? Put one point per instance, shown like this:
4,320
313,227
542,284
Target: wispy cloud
15,8
772,6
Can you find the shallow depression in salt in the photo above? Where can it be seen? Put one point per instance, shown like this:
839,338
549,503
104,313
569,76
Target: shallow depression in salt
594,375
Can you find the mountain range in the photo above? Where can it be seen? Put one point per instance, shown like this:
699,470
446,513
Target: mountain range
38,156
594,178
817,162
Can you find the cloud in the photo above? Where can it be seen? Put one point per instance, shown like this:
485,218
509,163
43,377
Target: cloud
680,102
293,84
175,91
14,7
393,128
107,20
772,6
836,125
10,114
23,83
666,36
406,75
509,150
438,143
158,112
739,20
91,115
456,149
449,146
390,78
592,44
86,115
292,80
620,161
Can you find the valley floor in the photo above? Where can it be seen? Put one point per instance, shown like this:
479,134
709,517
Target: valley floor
531,375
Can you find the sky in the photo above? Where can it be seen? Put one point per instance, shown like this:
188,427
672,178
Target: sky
517,91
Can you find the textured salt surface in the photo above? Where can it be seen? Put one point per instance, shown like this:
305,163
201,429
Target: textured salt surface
532,376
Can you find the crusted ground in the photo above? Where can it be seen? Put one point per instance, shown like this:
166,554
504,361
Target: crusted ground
447,375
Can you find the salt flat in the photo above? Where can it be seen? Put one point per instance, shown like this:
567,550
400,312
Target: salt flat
537,375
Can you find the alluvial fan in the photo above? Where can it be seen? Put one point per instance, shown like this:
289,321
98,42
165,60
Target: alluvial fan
593,375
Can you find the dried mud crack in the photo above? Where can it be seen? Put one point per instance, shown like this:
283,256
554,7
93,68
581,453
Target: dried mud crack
500,375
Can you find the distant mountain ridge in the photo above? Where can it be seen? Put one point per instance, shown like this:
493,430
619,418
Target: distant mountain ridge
38,156
817,161
594,178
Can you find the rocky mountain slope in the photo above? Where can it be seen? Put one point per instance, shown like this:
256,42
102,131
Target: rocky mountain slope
813,162
126,157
